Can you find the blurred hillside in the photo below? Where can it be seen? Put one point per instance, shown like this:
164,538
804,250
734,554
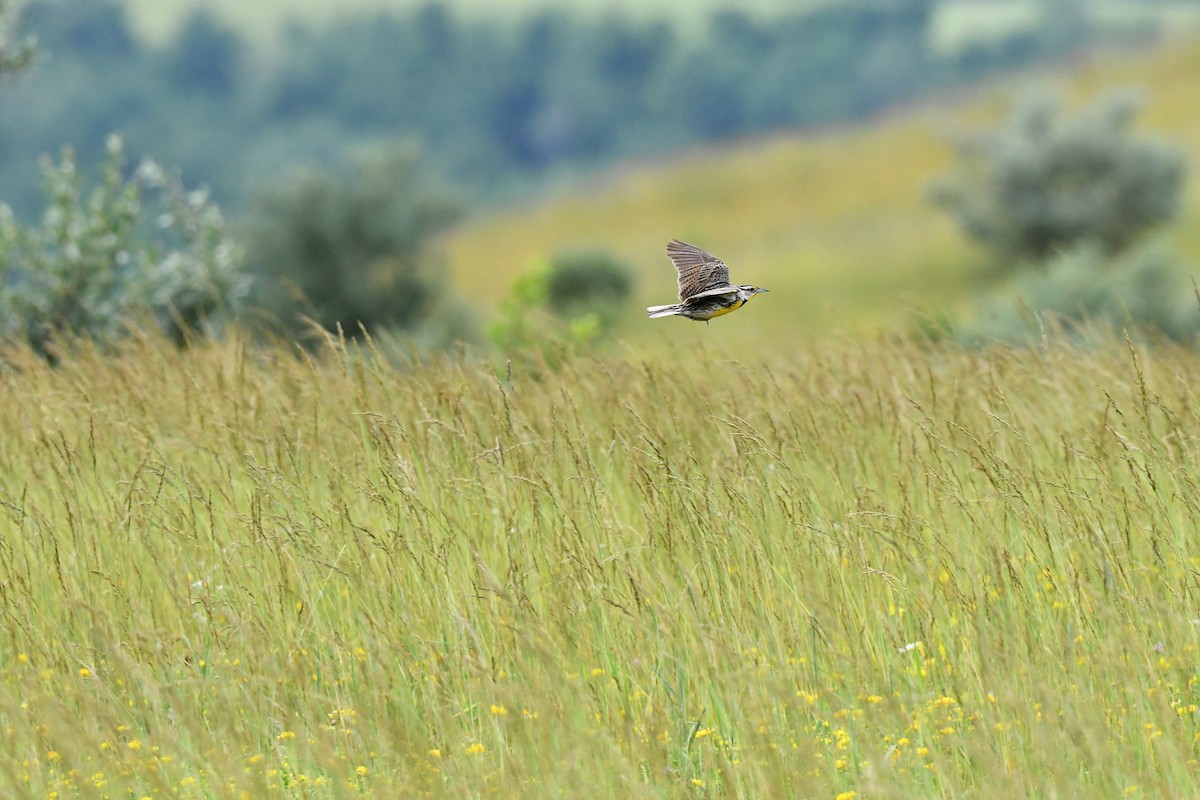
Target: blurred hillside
498,103
836,223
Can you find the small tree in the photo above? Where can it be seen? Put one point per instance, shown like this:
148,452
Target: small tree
587,281
572,300
354,250
131,246
1045,181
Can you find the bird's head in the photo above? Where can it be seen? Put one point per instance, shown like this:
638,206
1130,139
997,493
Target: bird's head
752,290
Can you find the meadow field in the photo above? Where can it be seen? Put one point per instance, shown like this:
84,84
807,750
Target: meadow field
800,552
860,569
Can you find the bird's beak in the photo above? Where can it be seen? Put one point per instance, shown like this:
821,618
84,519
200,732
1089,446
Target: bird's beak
762,290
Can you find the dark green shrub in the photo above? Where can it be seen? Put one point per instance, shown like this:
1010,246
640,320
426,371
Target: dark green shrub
586,280
1045,181
353,250
569,302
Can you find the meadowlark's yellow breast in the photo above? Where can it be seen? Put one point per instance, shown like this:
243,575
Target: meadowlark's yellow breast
734,306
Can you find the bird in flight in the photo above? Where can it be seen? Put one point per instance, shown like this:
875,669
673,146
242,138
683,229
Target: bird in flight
704,288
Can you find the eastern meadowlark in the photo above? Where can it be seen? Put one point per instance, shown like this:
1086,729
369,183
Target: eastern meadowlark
704,288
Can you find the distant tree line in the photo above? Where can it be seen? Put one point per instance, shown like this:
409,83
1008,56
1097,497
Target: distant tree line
492,103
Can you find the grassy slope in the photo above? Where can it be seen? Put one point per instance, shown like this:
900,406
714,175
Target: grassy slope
835,224
866,568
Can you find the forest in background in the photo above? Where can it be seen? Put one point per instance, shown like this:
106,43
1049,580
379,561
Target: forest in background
494,104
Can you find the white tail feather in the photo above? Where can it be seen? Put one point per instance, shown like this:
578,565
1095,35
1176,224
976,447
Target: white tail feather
654,312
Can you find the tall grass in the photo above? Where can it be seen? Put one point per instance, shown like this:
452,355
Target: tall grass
873,568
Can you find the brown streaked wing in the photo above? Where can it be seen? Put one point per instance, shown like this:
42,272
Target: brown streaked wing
699,270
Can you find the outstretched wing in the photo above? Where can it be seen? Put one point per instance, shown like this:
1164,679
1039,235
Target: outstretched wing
699,270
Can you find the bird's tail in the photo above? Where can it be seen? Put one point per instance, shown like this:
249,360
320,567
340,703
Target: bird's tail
654,312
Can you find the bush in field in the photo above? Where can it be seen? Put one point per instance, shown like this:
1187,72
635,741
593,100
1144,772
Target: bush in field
587,281
128,247
1045,181
573,299
1142,287
1064,203
356,249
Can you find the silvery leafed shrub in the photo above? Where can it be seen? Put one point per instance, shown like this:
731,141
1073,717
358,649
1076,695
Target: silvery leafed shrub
114,251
